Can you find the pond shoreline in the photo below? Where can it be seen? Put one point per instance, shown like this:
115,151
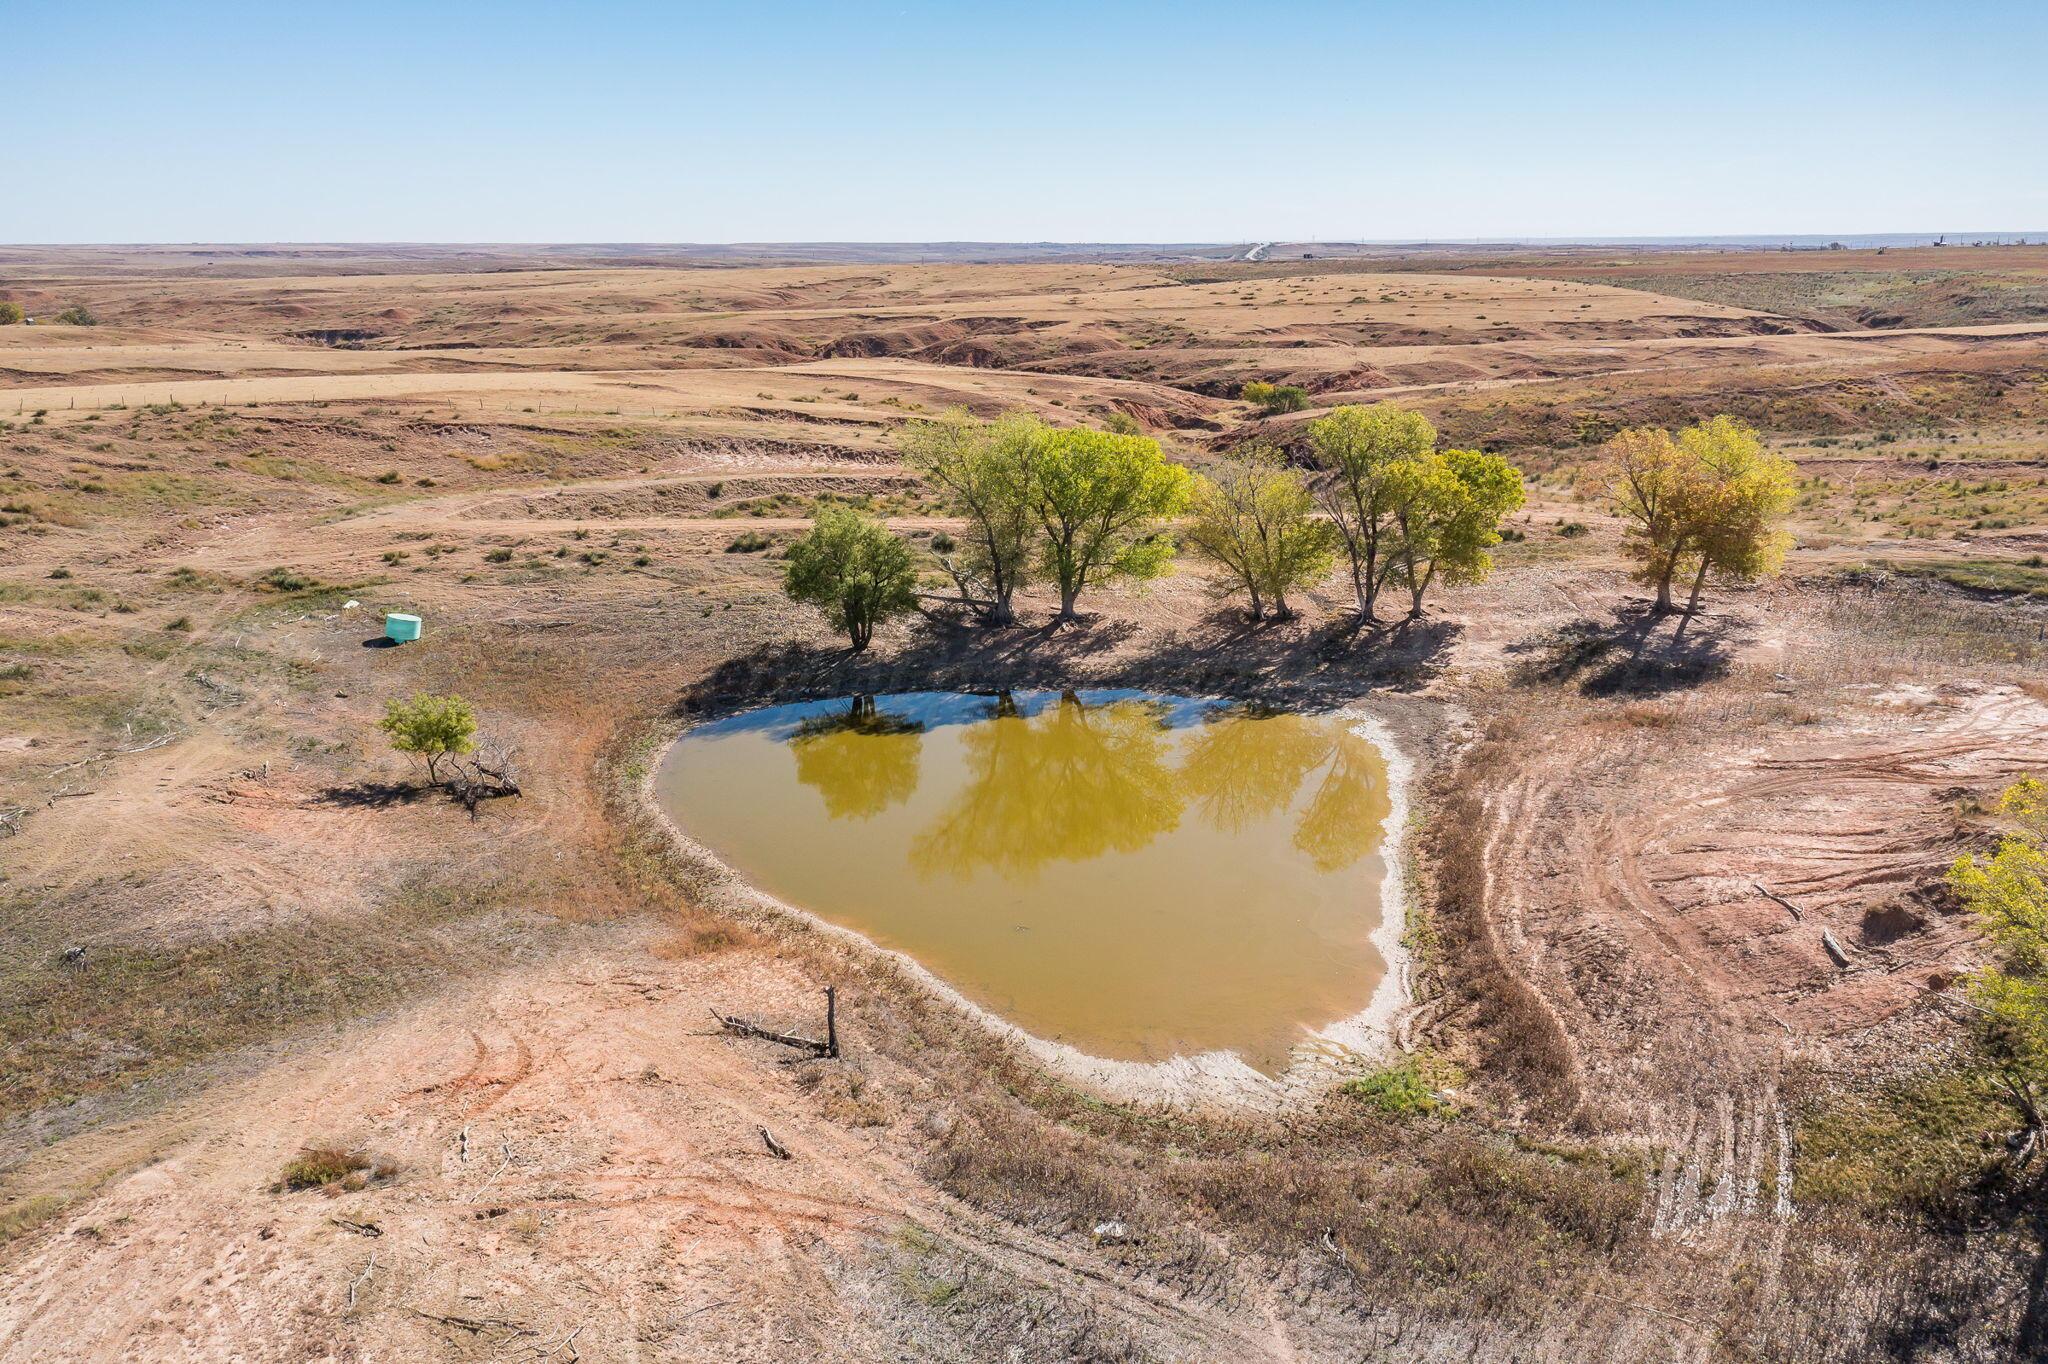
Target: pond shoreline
1352,1045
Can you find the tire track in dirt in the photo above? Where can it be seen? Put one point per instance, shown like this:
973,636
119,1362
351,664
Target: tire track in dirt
1708,987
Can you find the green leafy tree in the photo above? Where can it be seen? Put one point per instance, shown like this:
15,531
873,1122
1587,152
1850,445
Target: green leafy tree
1274,398
1446,511
76,316
1257,519
430,727
985,473
851,567
10,313
1353,447
2007,894
1100,499
1710,500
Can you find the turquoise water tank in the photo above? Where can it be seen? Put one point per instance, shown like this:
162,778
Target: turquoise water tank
400,628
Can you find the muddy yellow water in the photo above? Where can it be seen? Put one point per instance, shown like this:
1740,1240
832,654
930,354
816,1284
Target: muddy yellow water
1136,876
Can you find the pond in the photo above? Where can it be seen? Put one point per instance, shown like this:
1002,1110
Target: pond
1135,876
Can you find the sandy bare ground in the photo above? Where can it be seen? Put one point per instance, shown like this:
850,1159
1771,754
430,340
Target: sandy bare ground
579,1166
580,1156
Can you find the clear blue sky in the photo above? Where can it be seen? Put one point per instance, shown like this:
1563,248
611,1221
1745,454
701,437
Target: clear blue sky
774,120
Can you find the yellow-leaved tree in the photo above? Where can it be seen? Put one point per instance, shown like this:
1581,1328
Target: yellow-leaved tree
2006,893
1711,499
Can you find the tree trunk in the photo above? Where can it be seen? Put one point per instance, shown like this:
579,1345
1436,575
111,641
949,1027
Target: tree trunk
1001,613
1258,606
1372,582
1699,580
1281,610
1067,596
1664,578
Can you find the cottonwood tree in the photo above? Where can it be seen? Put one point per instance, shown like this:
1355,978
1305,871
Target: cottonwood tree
1710,499
1353,447
1446,511
985,473
1256,518
1099,499
432,728
851,567
2007,893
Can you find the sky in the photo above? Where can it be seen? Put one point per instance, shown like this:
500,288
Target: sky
772,120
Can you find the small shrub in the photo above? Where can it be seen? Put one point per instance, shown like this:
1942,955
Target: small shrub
182,624
1274,398
284,580
10,313
747,542
1572,530
318,1167
60,572
433,727
77,316
388,476
1411,1086
500,555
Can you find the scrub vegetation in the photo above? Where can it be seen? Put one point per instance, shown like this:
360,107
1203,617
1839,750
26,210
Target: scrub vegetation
1722,1027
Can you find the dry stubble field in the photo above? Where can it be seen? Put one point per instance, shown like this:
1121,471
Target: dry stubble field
237,931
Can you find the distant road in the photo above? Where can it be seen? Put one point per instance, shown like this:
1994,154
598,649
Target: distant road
1259,251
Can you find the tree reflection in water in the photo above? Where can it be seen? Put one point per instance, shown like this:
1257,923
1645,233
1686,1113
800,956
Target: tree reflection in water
1069,784
861,760
1078,781
1246,764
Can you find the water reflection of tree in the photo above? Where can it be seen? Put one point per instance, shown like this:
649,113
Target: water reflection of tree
1243,766
1349,808
1240,767
861,760
1071,783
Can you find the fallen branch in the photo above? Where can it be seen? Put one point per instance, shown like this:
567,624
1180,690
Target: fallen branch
360,1228
360,1280
829,1047
478,1325
568,1343
775,1148
1835,949
740,1027
1645,1307
1793,909
506,1149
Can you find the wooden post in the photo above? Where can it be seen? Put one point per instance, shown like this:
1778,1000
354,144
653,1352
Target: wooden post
831,1022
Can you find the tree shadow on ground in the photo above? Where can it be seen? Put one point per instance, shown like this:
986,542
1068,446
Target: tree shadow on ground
1298,659
1636,653
1224,654
372,795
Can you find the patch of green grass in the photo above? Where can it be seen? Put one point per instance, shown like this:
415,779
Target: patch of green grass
319,1166
1414,1085
27,1215
1915,1143
283,579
